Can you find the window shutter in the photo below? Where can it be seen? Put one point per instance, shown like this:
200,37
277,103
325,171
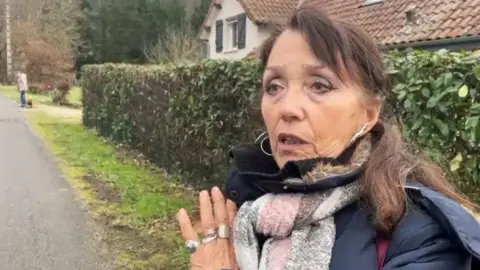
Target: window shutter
242,31
219,36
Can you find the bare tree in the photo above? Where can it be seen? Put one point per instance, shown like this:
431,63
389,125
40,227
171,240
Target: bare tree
178,46
44,35
56,19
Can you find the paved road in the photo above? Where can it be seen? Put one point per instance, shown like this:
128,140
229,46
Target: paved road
42,226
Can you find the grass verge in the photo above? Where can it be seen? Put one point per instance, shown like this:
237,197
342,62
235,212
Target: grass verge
74,97
135,201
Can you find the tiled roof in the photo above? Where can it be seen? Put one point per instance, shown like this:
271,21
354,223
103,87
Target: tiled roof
387,22
265,11
259,11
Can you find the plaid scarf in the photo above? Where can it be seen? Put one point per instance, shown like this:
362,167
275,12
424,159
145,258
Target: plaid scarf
300,227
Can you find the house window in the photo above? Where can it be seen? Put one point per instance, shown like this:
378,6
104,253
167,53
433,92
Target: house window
235,32
232,35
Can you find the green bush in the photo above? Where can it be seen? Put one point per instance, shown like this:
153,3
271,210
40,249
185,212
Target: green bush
186,117
59,97
437,98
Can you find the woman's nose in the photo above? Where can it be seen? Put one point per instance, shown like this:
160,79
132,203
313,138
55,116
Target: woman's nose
292,104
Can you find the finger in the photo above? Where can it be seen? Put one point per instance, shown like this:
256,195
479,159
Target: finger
188,232
206,213
232,212
219,207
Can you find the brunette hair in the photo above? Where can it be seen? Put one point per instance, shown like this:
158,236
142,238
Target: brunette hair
347,50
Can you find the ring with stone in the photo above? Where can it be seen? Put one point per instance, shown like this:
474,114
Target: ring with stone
191,245
209,239
223,231
211,233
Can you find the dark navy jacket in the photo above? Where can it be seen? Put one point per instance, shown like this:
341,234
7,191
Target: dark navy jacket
437,232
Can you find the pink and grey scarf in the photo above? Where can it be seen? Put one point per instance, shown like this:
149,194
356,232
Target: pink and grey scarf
300,227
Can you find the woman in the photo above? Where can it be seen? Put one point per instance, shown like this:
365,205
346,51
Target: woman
22,87
332,185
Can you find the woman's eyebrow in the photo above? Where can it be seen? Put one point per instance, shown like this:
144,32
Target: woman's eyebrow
309,67
324,69
314,67
275,68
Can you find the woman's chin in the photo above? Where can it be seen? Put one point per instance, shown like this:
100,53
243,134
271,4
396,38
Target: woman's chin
283,159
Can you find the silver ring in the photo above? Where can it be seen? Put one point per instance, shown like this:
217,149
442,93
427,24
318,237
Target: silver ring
209,239
223,231
211,233
191,245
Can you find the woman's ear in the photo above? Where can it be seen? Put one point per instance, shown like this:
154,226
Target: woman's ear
373,107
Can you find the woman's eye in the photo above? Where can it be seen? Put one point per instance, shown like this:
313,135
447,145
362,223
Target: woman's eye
321,86
272,88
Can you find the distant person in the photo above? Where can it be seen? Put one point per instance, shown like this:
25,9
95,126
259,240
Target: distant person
22,87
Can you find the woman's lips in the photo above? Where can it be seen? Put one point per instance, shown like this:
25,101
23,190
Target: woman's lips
289,142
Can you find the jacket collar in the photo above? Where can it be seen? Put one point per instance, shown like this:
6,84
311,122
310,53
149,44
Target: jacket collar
262,171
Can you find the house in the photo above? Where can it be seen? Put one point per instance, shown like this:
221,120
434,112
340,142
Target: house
421,24
234,28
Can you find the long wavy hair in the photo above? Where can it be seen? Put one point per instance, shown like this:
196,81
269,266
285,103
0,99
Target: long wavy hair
352,53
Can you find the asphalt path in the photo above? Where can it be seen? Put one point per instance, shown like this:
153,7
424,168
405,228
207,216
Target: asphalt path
42,225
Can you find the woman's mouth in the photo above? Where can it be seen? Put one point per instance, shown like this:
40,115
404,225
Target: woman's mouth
290,140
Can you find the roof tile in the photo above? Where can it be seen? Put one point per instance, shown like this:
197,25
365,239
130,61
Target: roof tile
265,11
387,23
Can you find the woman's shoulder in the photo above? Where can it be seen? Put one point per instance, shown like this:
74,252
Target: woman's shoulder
434,223
430,206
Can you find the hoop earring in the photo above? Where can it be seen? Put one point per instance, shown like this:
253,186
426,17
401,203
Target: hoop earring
358,135
263,150
260,137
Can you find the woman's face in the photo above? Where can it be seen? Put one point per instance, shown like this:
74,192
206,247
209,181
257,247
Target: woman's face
308,111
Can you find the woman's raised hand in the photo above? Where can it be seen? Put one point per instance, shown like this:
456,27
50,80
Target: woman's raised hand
215,250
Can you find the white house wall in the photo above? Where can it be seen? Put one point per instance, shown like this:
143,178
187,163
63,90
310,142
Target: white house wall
253,38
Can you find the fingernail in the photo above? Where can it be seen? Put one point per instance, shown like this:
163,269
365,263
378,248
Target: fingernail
215,189
204,195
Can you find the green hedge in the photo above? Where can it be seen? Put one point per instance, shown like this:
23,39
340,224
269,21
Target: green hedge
437,98
185,118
